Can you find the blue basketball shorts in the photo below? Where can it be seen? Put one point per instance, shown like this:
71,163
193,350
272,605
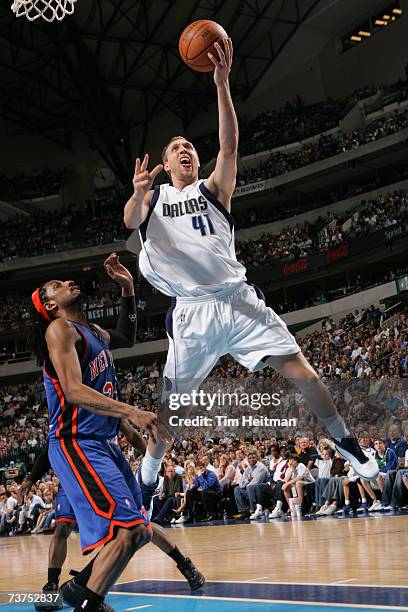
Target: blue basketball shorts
100,487
63,509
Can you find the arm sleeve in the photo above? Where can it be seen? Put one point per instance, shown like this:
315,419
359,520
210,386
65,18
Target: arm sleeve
124,334
41,466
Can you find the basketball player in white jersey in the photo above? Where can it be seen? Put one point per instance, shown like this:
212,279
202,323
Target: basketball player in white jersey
187,235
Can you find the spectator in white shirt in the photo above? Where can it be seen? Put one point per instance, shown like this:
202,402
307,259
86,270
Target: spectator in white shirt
9,504
31,509
297,475
324,464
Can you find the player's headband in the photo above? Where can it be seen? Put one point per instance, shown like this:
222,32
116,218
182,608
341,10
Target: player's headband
39,307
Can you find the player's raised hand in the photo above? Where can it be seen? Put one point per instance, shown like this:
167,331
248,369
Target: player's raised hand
143,179
117,271
223,62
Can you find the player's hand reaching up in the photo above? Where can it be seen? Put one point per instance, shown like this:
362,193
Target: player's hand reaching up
146,421
143,179
117,271
223,62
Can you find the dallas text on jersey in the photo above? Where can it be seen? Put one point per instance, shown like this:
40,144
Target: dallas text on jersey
187,207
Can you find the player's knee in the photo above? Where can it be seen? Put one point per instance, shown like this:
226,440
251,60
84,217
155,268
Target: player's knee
141,536
63,530
135,538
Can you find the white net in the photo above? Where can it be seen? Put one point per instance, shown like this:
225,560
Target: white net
44,9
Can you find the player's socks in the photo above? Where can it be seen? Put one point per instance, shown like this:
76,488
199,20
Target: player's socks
176,555
54,574
336,426
147,491
150,469
90,601
73,595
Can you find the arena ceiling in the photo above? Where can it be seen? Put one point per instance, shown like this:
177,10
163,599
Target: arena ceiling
114,66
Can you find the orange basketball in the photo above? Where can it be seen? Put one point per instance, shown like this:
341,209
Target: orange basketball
197,40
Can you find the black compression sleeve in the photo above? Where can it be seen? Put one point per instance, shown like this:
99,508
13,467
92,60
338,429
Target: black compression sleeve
124,334
41,466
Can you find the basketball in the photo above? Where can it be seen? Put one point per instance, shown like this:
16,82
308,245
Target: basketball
197,40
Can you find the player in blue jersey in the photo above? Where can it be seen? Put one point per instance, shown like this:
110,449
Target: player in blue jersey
187,236
84,416
65,520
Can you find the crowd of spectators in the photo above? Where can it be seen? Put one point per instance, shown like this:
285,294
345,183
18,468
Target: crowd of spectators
292,122
365,364
60,230
291,243
26,235
281,162
29,186
105,225
323,296
301,240
207,478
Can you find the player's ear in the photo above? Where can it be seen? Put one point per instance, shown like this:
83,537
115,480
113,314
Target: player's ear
51,306
166,166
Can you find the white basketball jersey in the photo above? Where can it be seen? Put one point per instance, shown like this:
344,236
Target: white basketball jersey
188,243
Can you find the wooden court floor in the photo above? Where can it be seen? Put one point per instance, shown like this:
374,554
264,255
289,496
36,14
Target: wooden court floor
369,551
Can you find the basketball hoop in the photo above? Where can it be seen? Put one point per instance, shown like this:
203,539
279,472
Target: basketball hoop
44,9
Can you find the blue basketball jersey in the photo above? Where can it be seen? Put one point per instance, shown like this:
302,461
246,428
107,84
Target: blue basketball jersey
98,372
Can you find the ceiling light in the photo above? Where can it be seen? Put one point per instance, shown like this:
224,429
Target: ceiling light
364,33
355,38
397,11
380,22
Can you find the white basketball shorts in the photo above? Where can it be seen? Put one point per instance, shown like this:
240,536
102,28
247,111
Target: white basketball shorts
235,321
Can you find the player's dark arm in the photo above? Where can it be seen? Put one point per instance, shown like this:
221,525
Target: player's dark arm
61,338
133,436
124,334
41,465
222,180
138,205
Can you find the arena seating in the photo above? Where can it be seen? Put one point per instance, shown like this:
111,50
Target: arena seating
296,121
328,145
29,186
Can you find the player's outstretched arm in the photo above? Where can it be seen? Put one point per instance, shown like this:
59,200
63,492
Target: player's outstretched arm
137,207
221,183
61,338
